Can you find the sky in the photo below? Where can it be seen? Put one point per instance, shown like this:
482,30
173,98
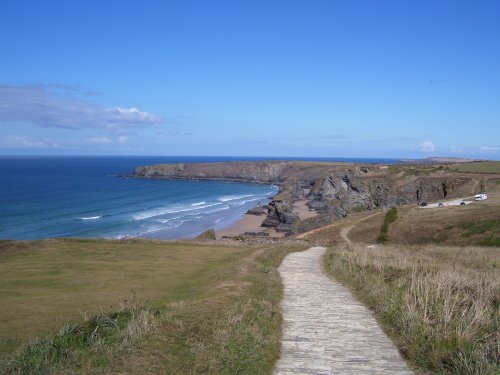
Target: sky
321,78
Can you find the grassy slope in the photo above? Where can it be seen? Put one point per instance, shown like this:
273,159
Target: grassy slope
210,309
476,224
440,304
480,167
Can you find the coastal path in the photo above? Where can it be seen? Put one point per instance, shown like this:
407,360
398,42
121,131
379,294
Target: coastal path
325,330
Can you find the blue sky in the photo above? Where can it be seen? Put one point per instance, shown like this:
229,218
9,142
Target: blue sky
251,78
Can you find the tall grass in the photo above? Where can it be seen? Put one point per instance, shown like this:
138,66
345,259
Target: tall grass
95,332
440,304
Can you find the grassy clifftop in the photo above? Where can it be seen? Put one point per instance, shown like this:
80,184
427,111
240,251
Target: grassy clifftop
96,306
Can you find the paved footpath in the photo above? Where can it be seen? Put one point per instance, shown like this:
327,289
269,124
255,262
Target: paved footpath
326,331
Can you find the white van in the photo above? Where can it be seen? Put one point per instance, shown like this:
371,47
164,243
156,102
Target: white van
481,197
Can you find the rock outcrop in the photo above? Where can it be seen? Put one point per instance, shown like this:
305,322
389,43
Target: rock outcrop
258,210
280,215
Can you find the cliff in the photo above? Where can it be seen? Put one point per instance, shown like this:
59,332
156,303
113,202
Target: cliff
333,190
258,172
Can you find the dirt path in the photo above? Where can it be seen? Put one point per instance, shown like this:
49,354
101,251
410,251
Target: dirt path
344,233
325,330
305,234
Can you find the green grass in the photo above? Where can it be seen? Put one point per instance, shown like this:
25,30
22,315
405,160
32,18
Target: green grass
421,170
477,167
491,227
195,309
390,217
490,242
481,228
439,304
45,354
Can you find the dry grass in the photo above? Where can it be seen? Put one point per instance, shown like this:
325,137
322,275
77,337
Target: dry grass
368,230
477,167
444,225
440,304
210,309
232,326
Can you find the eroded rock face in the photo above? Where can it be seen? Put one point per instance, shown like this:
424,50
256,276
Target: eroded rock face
280,215
340,194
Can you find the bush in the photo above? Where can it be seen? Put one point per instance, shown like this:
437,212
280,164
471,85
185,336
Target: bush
390,217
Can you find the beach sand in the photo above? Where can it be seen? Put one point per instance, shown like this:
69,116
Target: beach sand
303,211
249,223
252,223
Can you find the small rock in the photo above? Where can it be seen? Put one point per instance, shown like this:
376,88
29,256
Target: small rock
207,235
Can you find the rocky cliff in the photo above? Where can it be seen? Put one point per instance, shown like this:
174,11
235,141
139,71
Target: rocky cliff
339,194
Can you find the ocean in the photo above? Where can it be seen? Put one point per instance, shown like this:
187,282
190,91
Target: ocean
48,197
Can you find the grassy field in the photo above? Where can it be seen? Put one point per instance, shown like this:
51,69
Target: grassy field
477,167
440,304
138,307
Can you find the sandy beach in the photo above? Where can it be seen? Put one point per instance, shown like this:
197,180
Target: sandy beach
252,223
303,211
248,223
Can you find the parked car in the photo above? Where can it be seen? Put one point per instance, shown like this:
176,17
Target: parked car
440,205
423,204
462,203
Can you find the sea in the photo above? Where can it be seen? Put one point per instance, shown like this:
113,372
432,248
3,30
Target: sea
81,196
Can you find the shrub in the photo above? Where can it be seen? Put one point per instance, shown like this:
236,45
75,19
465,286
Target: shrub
390,217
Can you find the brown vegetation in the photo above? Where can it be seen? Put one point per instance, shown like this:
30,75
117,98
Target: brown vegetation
440,304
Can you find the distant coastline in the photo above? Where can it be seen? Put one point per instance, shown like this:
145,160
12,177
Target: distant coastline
312,193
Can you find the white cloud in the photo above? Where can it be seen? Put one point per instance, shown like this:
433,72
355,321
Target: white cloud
18,141
488,149
99,140
106,140
427,146
45,108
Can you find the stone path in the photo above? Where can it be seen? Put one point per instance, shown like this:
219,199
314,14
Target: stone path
325,330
